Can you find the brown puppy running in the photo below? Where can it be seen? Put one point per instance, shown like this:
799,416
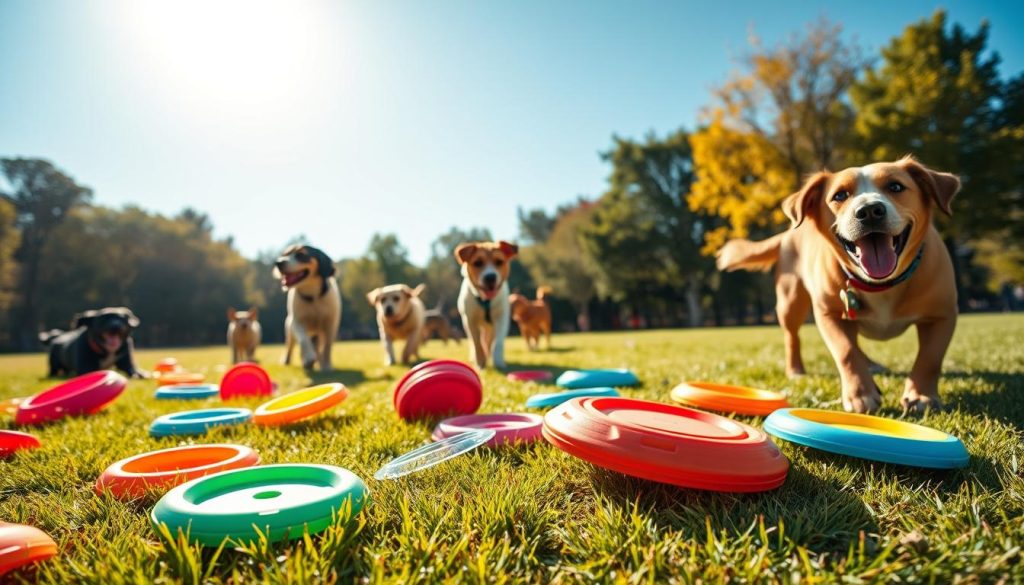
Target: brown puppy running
244,333
400,315
532,317
863,255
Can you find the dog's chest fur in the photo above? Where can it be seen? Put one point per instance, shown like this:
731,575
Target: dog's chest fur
474,312
878,318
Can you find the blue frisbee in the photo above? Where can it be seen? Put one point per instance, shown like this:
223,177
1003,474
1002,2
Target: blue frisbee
574,379
553,399
187,391
196,422
868,437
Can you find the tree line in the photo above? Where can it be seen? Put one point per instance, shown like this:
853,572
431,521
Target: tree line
639,254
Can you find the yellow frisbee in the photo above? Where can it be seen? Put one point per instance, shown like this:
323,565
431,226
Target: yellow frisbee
300,404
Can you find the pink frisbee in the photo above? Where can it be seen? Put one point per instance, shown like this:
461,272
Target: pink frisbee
245,379
530,376
82,395
11,441
509,428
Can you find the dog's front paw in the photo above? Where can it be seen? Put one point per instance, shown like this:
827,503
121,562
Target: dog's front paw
862,398
140,375
916,401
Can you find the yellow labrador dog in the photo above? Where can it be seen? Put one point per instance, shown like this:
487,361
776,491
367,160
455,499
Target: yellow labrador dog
400,315
863,255
314,304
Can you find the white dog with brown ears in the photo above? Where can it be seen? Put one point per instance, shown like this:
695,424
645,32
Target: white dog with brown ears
483,299
400,315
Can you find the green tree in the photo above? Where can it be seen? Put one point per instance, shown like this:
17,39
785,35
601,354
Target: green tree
644,238
42,196
9,240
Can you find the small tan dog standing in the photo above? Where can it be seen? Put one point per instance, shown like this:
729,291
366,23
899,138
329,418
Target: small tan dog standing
400,315
532,317
244,334
863,255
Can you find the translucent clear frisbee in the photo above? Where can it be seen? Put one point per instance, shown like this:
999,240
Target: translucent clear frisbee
430,455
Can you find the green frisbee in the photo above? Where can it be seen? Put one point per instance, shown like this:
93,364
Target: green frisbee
276,501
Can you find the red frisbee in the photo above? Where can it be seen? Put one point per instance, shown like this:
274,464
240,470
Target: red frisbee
508,428
21,545
245,379
530,376
667,443
130,478
437,388
82,395
11,441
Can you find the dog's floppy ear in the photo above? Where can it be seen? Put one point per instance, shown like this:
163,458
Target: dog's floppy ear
509,250
253,312
83,319
802,203
418,290
940,187
231,313
373,295
325,266
464,252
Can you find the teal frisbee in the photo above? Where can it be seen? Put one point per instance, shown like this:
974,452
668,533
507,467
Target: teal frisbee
553,399
279,502
575,379
197,422
868,437
187,391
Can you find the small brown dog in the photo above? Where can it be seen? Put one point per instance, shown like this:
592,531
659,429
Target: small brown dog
400,315
532,317
483,298
244,334
436,324
863,255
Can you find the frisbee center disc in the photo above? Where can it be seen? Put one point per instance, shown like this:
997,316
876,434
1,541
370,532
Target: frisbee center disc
267,495
693,426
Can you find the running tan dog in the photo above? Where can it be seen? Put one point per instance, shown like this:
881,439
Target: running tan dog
400,315
314,304
244,334
483,299
862,253
532,317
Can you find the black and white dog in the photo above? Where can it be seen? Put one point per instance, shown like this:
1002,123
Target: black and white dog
98,340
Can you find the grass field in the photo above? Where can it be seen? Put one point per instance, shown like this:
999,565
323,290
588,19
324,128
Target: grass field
537,514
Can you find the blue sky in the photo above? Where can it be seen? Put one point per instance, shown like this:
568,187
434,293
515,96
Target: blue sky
340,119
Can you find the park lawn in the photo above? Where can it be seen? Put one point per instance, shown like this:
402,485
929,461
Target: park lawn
537,514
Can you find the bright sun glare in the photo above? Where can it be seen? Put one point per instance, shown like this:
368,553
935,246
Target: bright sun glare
249,59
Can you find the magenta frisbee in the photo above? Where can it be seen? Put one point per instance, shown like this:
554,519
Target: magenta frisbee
82,395
509,428
438,388
11,441
530,376
245,379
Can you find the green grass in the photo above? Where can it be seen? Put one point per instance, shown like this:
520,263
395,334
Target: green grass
537,514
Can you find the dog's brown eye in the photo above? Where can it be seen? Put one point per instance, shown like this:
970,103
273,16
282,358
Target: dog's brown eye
498,263
896,187
478,263
840,196
302,256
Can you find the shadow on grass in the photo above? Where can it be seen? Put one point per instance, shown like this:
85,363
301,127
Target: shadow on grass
346,377
1002,403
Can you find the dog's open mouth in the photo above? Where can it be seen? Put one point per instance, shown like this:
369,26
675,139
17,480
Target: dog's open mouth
877,253
489,292
293,278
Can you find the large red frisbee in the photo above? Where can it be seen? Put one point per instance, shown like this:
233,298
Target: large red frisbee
82,395
437,388
11,441
245,379
130,478
21,545
727,398
509,428
667,443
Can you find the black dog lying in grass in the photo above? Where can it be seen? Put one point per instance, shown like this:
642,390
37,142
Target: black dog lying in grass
98,340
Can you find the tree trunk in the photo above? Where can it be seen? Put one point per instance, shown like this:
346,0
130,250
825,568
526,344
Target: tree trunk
694,309
961,298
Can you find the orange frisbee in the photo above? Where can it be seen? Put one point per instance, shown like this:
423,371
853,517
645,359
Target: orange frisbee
300,404
21,545
727,398
168,378
130,478
167,365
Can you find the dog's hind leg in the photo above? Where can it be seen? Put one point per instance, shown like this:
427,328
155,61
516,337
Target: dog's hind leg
792,306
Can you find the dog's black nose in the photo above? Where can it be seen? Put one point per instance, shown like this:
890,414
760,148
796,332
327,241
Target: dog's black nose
280,264
871,212
389,311
490,279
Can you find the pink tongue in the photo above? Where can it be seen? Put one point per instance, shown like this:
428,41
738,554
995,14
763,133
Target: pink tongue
877,256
